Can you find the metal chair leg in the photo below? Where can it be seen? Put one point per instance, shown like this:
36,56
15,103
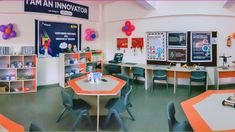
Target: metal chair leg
62,113
120,121
128,111
89,118
76,121
190,89
107,119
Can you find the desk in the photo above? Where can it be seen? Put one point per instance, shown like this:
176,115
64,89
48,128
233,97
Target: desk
9,125
205,112
82,86
224,73
173,72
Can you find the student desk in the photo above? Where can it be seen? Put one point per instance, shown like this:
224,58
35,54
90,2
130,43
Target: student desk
112,86
206,113
9,125
173,72
225,73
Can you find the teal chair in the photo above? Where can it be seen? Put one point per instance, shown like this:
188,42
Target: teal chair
113,69
36,127
160,75
197,76
117,108
138,72
76,107
124,90
173,124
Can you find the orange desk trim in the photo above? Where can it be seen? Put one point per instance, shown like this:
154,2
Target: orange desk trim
170,74
181,74
77,89
196,121
10,125
226,74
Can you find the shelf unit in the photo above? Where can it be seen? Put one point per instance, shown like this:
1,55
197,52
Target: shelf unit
72,63
18,74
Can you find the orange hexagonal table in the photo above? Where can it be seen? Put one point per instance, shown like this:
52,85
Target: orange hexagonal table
205,112
9,125
111,86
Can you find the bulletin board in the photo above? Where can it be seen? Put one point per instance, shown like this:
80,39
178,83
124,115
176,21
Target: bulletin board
190,47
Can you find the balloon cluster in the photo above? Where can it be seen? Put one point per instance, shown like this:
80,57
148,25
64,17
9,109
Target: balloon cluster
7,31
90,34
128,28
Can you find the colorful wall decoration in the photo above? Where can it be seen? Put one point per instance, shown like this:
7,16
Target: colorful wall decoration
201,47
128,28
122,43
177,54
7,31
156,46
54,38
90,34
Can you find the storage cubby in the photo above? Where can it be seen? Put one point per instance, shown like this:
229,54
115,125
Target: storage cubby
16,86
18,74
73,63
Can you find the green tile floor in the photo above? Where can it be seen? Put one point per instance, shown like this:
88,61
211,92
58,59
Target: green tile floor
44,106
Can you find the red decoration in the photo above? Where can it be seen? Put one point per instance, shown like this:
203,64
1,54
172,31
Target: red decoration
137,43
128,28
122,43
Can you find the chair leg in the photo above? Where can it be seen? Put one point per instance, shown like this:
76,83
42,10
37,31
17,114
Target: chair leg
167,86
121,123
62,113
190,89
89,118
76,121
128,111
107,119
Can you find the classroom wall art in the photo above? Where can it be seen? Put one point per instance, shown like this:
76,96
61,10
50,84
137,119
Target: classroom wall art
90,34
54,38
156,46
128,28
122,43
177,54
7,31
201,47
177,39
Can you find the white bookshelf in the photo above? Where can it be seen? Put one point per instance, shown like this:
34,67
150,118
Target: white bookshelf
18,74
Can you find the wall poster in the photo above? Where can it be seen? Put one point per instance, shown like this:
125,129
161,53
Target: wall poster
177,39
177,54
122,43
156,46
54,38
201,47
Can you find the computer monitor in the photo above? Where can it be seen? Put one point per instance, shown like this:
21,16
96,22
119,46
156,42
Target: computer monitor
118,57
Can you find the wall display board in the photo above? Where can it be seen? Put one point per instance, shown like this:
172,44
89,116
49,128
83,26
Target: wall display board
177,39
201,47
57,7
156,46
177,55
53,38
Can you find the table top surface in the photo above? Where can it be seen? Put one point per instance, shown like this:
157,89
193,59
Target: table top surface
9,125
112,86
205,112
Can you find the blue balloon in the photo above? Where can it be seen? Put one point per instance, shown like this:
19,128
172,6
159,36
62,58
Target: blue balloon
126,28
93,36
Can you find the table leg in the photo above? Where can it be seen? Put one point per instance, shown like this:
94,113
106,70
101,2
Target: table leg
98,113
217,80
175,81
148,78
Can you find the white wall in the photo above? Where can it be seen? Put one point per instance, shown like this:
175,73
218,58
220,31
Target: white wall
48,68
169,16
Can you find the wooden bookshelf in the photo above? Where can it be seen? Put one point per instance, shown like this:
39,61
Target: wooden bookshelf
18,74
73,63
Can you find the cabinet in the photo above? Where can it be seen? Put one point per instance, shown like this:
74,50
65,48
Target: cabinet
74,63
18,74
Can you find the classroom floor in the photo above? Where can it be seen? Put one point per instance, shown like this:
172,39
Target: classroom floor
149,109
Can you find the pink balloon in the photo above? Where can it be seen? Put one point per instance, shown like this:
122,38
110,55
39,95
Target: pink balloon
128,23
88,38
132,28
92,32
128,33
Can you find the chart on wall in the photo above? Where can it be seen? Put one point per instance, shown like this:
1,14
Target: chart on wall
177,55
156,46
201,47
177,39
54,38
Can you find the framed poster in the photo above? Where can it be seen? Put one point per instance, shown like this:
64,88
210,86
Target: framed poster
156,46
177,54
54,38
201,47
122,43
177,39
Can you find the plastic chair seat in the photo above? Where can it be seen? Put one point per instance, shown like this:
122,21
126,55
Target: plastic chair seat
160,77
79,104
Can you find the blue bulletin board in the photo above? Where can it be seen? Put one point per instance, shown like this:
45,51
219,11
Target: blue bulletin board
53,38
